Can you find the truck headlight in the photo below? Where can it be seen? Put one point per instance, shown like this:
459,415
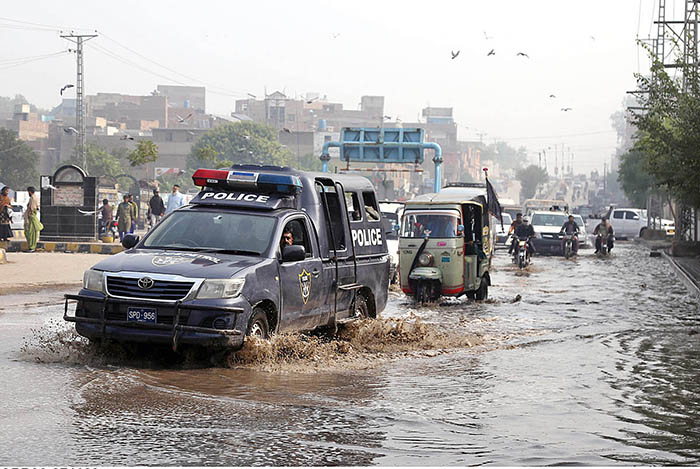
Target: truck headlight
94,280
220,288
425,259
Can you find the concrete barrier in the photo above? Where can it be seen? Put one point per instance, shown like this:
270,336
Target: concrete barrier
50,246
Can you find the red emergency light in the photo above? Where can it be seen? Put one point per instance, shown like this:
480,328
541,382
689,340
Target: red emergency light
281,183
209,177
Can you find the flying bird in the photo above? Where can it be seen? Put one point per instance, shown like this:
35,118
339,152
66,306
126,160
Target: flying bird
287,130
487,36
252,96
65,88
592,38
491,52
566,109
181,119
309,101
522,54
70,130
335,35
387,118
454,54
552,96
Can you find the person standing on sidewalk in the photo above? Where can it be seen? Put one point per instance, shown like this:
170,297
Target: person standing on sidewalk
107,214
157,207
124,211
176,200
32,225
134,213
5,214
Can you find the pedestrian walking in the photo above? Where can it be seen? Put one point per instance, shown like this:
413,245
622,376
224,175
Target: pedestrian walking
5,214
107,212
176,200
157,207
32,225
134,213
124,211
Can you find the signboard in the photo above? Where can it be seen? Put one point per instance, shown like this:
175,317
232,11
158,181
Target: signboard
380,145
68,196
162,171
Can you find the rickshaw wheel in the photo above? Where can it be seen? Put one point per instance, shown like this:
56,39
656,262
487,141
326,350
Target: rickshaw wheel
483,292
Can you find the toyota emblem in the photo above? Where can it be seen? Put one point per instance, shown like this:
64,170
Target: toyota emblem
145,283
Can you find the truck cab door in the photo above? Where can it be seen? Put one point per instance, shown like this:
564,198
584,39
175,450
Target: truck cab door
617,220
301,283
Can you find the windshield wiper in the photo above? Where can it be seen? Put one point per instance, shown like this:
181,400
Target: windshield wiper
232,251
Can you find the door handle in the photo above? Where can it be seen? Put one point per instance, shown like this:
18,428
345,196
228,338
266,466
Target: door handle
315,272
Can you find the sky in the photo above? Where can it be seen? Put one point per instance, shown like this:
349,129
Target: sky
585,53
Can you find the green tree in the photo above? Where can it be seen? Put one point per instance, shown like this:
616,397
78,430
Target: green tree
310,162
635,180
100,162
145,152
239,143
669,130
19,164
530,178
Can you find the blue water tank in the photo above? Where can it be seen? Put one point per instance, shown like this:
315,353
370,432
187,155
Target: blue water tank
322,124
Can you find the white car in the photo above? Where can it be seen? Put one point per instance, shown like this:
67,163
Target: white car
583,239
632,222
547,226
17,217
502,230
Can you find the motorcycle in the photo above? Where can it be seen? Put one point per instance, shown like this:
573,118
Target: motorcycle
522,253
606,247
568,245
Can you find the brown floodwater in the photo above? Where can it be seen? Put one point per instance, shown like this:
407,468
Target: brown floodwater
595,362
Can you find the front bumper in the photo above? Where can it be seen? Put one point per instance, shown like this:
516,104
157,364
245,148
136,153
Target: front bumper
102,317
550,245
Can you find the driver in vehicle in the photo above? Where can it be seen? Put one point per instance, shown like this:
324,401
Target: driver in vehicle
570,228
287,238
525,231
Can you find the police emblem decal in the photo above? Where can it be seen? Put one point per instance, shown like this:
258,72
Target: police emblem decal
305,285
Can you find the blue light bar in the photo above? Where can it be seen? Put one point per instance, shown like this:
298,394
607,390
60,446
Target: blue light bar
282,183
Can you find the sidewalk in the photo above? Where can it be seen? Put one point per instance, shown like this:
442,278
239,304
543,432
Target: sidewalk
30,272
688,269
96,247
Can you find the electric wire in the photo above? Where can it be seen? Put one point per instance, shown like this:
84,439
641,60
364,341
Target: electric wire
5,66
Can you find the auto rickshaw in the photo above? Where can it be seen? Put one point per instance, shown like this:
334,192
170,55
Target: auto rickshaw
446,245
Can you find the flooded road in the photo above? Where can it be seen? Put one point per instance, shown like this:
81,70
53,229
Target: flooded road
597,363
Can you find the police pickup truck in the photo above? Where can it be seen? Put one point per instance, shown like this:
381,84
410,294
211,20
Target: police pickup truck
260,249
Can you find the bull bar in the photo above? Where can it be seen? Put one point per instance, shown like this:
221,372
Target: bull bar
176,327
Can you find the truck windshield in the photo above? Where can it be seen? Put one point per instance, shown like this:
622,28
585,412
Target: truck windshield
213,231
549,219
435,225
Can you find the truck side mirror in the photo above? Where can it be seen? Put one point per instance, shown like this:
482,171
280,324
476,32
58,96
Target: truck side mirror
130,241
293,253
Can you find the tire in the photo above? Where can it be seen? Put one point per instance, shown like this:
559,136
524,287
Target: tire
258,325
521,262
642,231
360,310
567,250
483,292
472,294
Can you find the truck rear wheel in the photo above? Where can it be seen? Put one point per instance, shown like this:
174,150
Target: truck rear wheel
258,325
360,310
483,292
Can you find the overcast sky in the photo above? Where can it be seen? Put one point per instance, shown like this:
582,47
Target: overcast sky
583,52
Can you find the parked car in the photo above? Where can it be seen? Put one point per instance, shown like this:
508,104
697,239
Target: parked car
632,222
17,217
502,230
583,240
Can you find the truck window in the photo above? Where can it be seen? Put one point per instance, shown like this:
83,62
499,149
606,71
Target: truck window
335,227
353,203
300,235
618,214
631,216
371,208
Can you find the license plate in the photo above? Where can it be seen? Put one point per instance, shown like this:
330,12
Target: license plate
142,315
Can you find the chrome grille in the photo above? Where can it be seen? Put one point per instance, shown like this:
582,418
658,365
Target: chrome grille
161,290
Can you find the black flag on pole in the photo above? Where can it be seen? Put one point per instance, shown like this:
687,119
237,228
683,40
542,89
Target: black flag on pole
494,206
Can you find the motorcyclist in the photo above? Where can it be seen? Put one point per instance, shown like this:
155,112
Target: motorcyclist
570,228
525,231
517,222
603,230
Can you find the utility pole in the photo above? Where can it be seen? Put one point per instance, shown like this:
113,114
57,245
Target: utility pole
78,40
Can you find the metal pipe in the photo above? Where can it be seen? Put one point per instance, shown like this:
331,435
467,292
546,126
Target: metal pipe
325,156
437,159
